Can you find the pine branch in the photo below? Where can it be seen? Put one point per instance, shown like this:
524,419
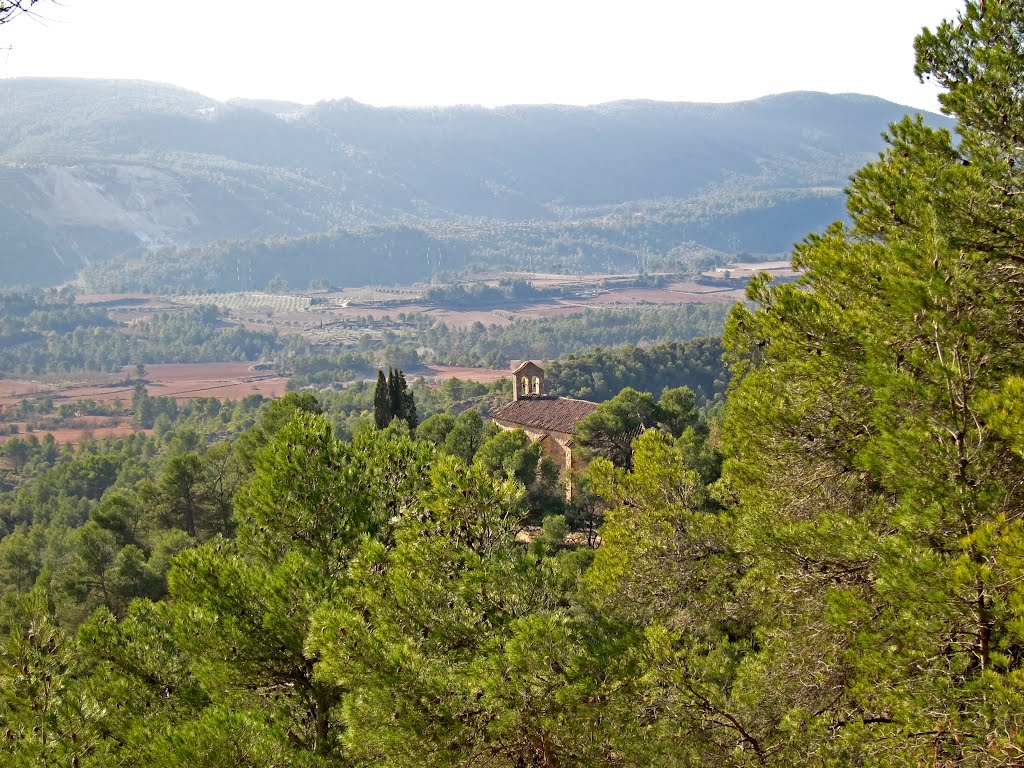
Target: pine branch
11,8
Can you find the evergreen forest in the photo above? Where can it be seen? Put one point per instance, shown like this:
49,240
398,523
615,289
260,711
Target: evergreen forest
801,544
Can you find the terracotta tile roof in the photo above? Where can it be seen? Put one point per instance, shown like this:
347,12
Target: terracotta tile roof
552,414
526,364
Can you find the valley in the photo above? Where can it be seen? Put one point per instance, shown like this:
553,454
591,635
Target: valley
323,321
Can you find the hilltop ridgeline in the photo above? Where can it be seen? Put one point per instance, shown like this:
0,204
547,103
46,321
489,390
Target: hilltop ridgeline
92,169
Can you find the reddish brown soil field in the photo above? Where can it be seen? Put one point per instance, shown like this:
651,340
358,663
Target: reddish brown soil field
186,381
444,372
225,381
198,371
95,427
12,390
463,318
268,386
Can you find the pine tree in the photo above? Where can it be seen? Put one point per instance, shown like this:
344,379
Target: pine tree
244,606
871,447
455,643
610,430
48,717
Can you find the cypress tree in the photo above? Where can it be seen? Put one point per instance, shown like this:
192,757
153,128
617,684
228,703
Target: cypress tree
400,400
396,386
382,412
409,409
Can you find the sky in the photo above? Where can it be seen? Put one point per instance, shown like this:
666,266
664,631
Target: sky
486,52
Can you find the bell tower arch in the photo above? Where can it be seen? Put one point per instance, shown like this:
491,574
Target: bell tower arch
528,381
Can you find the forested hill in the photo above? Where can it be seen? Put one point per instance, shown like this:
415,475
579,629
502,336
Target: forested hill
93,168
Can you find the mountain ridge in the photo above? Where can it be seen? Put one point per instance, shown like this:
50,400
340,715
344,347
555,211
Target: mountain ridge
94,168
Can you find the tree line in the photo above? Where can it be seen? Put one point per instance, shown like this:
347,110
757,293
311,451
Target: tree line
56,336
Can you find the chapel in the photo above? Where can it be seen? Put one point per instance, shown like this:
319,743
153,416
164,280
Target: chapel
550,421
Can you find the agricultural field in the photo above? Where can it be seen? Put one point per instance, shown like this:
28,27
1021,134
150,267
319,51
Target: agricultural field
249,301
440,373
245,302
182,381
75,431
326,322
744,270
344,317
224,381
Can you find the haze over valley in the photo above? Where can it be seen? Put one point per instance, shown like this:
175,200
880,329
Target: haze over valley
172,188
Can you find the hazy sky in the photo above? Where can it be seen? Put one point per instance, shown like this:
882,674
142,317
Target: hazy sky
490,52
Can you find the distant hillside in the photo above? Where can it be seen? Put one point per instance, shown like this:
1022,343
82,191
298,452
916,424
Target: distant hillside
95,169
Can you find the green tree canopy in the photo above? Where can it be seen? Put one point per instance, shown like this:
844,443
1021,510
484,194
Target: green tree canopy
871,439
392,399
610,430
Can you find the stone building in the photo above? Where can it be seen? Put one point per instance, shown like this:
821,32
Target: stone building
550,421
